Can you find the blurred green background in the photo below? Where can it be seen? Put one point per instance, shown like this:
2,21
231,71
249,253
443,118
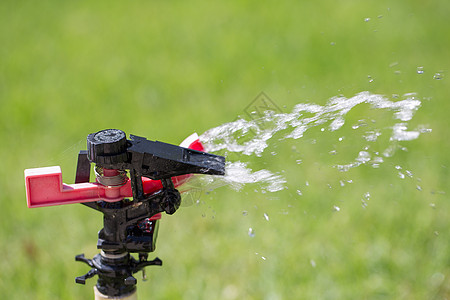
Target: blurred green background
165,69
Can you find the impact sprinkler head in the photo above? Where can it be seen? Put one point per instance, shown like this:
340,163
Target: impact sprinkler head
155,170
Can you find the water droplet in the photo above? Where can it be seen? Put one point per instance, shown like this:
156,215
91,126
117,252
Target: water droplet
336,208
332,43
365,199
266,217
263,258
342,183
437,278
409,173
372,136
361,123
380,16
423,129
313,263
307,183
298,161
377,161
340,139
322,129
332,152
432,205
393,64
251,232
299,193
438,76
350,181
419,70
419,188
370,78
401,175
366,19
363,157
436,233
245,213
398,167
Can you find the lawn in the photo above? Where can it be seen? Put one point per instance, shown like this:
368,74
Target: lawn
164,70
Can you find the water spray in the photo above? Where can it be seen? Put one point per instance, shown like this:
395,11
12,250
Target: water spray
136,180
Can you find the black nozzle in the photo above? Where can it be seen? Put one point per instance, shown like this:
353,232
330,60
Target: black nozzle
156,160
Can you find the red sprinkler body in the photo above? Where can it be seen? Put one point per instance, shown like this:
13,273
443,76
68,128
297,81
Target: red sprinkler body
130,225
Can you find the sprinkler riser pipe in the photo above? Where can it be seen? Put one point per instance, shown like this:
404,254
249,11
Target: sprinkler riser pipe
100,296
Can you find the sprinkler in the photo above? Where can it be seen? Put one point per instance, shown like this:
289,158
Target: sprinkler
136,181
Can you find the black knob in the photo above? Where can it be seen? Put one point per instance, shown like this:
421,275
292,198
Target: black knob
107,147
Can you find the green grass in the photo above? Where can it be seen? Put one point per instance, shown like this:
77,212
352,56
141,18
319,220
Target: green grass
166,69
